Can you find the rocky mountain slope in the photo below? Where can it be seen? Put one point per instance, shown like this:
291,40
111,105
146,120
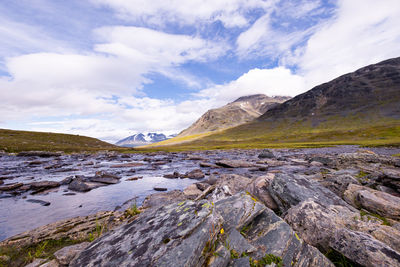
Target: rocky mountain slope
142,139
362,107
372,90
242,110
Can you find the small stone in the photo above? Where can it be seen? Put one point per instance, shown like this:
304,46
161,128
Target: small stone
41,202
195,174
160,189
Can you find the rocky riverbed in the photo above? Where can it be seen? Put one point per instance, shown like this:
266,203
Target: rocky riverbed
288,207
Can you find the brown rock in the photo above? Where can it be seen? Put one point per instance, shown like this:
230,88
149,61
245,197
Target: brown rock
9,187
192,192
374,201
259,189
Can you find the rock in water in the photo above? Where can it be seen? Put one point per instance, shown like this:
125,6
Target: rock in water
41,202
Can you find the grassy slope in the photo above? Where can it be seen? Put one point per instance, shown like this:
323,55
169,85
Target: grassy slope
16,141
365,131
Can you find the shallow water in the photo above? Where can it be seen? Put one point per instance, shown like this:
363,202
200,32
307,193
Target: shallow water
18,215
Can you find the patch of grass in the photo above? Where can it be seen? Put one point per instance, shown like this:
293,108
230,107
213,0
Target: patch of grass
351,130
132,211
396,155
268,259
362,174
370,214
25,255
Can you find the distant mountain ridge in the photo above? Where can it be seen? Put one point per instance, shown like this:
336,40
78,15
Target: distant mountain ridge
372,91
141,139
242,110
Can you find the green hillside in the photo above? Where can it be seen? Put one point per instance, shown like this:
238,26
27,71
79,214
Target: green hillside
16,141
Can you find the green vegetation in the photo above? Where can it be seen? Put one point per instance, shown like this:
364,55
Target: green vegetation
369,216
17,141
266,260
132,211
351,130
361,174
25,255
396,155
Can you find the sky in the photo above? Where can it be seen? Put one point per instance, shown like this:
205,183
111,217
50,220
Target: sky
112,68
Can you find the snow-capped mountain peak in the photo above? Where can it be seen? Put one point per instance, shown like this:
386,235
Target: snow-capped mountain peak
141,139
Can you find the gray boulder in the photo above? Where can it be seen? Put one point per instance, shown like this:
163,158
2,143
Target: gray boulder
337,227
233,231
290,189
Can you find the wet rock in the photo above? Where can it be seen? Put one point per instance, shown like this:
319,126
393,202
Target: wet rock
374,201
105,180
174,175
266,154
127,165
42,154
69,194
104,174
159,199
134,178
43,185
41,202
208,165
35,162
66,181
160,188
235,164
65,255
9,187
79,185
195,174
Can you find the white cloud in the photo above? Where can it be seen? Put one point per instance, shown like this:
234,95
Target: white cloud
361,33
18,38
232,13
271,82
265,39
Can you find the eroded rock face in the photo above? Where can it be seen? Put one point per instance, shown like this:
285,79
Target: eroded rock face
289,190
374,201
335,226
76,228
189,233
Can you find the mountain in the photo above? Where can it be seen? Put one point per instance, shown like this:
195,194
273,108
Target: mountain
362,107
242,110
373,90
141,139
